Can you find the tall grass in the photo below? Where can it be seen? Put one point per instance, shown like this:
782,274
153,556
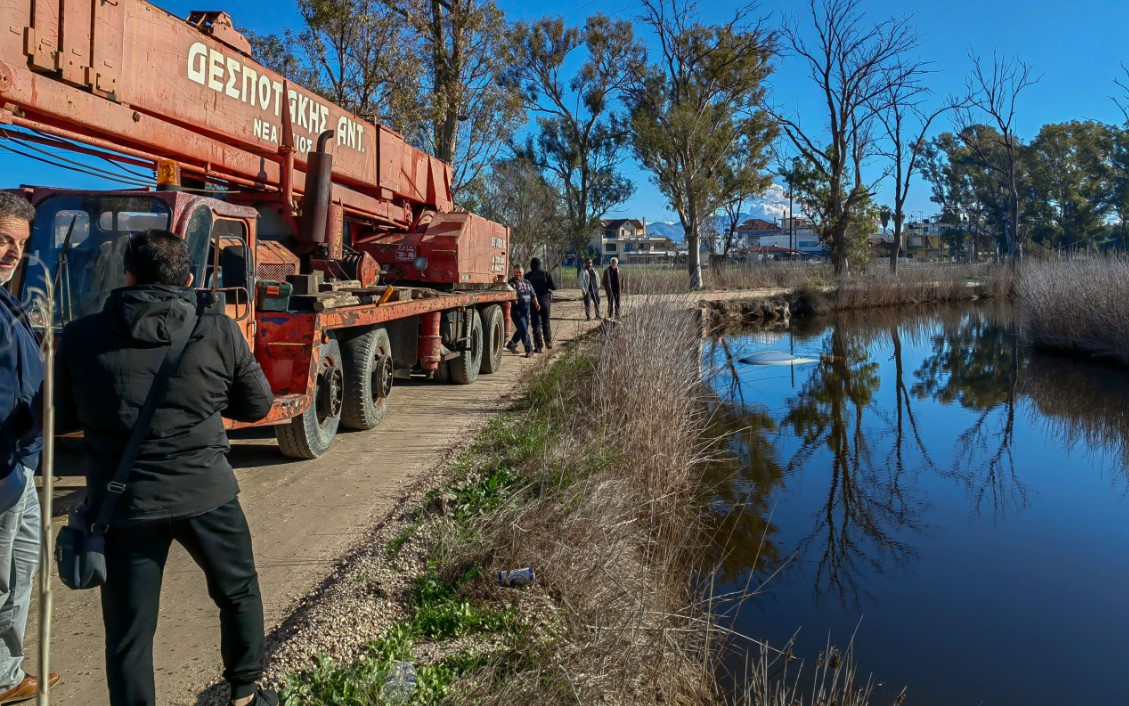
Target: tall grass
606,521
1077,306
733,276
922,284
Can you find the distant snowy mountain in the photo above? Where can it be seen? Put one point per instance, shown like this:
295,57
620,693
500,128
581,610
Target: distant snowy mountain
771,206
667,229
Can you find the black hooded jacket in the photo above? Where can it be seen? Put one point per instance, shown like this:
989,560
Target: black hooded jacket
105,368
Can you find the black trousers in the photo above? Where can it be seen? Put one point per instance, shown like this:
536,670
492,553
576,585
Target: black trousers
613,304
220,543
542,329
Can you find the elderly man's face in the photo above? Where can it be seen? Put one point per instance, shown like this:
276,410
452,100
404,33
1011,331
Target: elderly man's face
14,234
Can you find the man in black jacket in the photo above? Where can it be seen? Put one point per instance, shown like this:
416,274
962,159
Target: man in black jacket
181,486
543,287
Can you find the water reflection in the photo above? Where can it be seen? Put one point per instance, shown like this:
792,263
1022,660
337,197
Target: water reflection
842,470
974,360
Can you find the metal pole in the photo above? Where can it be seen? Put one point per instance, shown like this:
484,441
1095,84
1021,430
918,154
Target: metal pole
791,227
47,501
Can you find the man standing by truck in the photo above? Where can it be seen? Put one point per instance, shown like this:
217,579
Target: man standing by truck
180,487
526,303
21,375
543,287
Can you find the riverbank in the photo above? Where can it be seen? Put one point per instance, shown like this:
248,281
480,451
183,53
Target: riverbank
593,481
912,287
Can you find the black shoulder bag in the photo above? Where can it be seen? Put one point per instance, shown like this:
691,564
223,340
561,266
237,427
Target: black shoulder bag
80,550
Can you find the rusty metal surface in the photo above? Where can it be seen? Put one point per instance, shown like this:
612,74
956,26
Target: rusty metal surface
367,314
458,248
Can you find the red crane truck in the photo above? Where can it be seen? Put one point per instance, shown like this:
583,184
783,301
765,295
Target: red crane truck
334,243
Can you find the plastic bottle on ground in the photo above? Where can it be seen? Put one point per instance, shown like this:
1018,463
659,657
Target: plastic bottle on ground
400,685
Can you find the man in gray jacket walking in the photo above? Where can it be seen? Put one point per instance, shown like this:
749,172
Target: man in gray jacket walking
589,281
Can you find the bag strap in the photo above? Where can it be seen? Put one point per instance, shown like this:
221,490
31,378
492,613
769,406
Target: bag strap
116,487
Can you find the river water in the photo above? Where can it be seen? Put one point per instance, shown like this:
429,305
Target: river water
961,502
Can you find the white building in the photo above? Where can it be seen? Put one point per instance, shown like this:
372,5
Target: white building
627,239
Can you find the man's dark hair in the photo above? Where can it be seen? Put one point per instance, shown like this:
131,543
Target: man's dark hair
158,257
535,263
13,206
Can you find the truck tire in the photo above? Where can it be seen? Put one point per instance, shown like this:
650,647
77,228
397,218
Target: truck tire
368,379
493,339
310,434
464,369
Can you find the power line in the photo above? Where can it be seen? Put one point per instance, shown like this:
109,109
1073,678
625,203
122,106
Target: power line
101,174
26,144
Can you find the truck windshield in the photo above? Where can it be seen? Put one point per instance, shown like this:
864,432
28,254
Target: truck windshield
76,250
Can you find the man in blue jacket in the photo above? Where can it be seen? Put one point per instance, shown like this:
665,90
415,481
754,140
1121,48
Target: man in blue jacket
21,376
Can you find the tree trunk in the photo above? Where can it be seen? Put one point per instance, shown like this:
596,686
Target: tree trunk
693,250
839,250
897,244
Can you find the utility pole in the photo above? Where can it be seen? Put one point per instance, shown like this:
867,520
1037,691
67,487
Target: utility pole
791,226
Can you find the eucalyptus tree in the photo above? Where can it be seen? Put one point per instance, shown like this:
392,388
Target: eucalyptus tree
696,113
570,78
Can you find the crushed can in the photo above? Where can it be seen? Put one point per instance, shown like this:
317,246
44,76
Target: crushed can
516,577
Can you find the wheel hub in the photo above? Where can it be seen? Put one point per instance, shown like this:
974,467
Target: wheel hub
382,377
330,394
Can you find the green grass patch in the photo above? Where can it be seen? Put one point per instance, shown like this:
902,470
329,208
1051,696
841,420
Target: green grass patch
329,683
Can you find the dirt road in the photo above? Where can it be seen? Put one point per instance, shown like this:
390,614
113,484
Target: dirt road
303,516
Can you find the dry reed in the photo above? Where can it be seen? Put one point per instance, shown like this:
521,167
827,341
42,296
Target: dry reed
609,524
1077,306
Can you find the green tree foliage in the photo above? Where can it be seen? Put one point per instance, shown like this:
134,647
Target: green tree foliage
516,194
696,113
814,192
1072,181
580,138
1070,178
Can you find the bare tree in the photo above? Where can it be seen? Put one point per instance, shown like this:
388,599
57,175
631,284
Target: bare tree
905,125
993,92
855,64
430,69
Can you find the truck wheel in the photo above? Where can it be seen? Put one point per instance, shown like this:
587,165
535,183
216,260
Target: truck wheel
464,369
493,338
310,434
368,379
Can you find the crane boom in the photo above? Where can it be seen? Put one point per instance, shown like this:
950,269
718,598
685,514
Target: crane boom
130,77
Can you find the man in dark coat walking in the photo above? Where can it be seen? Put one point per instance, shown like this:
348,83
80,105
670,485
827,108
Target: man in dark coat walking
181,487
543,287
613,285
21,377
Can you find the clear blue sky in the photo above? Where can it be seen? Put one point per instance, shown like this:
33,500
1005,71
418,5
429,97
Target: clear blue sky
1076,48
